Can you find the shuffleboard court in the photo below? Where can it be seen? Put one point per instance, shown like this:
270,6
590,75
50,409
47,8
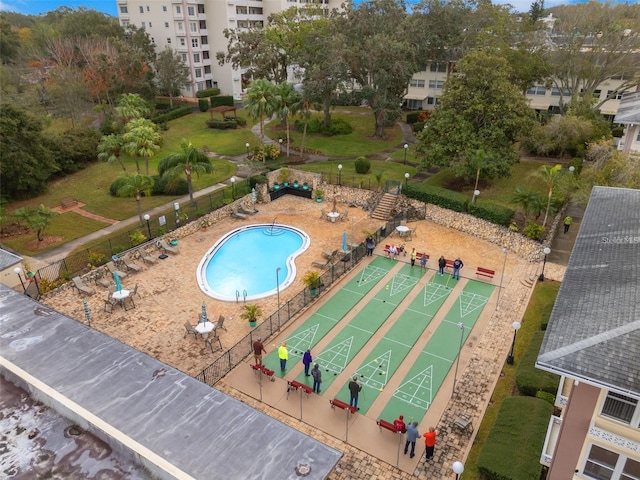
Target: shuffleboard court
328,315
347,343
421,384
387,355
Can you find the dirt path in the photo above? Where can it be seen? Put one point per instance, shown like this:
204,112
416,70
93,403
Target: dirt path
77,208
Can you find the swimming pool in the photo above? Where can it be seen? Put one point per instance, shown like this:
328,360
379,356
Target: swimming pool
243,263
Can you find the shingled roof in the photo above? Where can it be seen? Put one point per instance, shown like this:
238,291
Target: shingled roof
629,109
594,330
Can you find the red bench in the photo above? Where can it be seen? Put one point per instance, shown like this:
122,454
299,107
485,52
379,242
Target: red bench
342,405
294,385
388,425
263,369
485,272
449,264
419,256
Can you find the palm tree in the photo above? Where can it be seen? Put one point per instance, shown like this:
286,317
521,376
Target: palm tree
132,106
287,103
303,108
136,185
261,101
110,148
550,176
189,160
529,200
142,139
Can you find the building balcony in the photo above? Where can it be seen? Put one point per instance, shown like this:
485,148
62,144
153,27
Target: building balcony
553,431
564,391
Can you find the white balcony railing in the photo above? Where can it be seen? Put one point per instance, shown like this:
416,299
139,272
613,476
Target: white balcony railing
550,440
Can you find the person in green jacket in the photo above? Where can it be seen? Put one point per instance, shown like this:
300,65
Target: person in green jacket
567,223
283,355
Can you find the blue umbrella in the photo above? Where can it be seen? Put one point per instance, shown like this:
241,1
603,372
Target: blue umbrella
344,241
203,317
116,278
87,313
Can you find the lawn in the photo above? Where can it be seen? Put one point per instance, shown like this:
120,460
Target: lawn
390,171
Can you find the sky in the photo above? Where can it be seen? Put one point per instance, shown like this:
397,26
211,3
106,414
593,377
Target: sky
36,7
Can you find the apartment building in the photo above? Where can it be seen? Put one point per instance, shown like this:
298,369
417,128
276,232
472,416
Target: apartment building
194,29
629,116
593,342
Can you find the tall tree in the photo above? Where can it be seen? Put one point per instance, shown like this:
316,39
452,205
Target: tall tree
171,73
480,109
190,160
549,176
38,219
135,186
110,149
287,101
142,139
261,102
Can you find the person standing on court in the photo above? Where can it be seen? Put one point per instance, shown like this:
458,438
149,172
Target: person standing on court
430,442
567,223
413,256
412,436
317,378
423,261
354,390
457,265
306,360
442,262
258,350
283,355
370,246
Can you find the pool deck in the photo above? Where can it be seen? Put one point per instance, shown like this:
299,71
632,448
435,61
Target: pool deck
170,296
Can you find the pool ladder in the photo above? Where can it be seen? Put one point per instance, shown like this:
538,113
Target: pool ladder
244,296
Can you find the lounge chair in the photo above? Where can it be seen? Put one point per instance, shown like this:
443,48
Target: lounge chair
100,278
146,258
220,324
330,255
321,264
236,214
247,211
190,330
129,265
79,284
113,269
165,247
214,340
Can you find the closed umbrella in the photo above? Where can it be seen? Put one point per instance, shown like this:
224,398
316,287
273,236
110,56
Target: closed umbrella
87,313
116,278
203,317
344,241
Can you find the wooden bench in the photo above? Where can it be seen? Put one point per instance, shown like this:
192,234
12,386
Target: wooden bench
68,202
485,272
342,405
388,425
263,369
449,264
419,256
294,385
463,423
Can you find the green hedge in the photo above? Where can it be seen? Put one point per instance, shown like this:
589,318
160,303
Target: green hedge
418,127
339,126
222,125
529,379
209,92
257,180
172,114
413,117
437,196
491,212
505,456
203,104
226,100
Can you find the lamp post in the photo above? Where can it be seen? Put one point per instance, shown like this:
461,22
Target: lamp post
546,252
280,142
147,218
247,147
504,265
233,188
475,195
455,374
340,174
572,169
406,147
406,178
458,468
17,271
516,327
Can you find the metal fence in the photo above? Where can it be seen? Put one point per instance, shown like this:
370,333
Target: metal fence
274,323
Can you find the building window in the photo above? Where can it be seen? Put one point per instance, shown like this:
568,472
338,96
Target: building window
143,25
194,42
168,40
191,11
436,83
198,72
201,8
164,8
150,26
438,67
124,9
555,92
184,58
182,42
193,26
204,40
178,9
537,90
614,96
125,23
166,24
196,58
207,69
141,9
180,27
203,25
205,55
417,83
603,464
153,40
414,104
148,9
432,100
638,137
621,408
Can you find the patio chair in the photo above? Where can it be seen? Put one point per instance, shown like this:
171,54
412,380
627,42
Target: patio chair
128,303
135,291
189,330
220,324
113,269
165,247
330,255
146,258
321,264
464,423
236,214
323,214
214,342
129,265
109,303
79,284
100,278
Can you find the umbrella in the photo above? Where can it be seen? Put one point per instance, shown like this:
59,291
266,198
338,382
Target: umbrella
203,317
254,195
87,313
116,278
344,241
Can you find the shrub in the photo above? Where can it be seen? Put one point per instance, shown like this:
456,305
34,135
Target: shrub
438,196
163,186
241,121
116,185
222,125
617,132
353,98
339,126
203,104
412,117
547,397
161,106
533,230
220,100
418,127
172,114
363,165
491,212
256,180
96,258
266,152
137,237
208,92
529,379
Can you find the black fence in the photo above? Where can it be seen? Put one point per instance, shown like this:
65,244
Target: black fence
274,323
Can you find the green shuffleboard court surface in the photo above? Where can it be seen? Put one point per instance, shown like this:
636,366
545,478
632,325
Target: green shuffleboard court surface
420,386
326,317
387,355
347,343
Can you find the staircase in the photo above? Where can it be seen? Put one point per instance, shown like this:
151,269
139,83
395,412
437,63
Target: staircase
529,278
384,207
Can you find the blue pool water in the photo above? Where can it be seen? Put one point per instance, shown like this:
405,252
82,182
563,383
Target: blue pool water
244,262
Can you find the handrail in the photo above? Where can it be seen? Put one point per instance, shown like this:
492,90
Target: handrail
244,296
237,296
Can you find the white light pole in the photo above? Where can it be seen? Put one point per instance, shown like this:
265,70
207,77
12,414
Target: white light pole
147,218
475,195
280,142
458,468
504,265
406,178
546,252
233,188
340,174
246,145
17,271
406,147
455,374
516,327
572,169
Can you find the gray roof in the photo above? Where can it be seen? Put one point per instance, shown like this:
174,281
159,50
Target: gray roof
629,109
594,329
195,428
8,259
